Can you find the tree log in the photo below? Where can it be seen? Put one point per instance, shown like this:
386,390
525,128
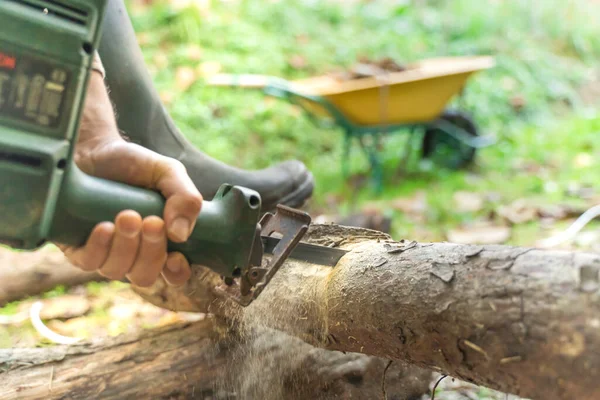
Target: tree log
25,274
517,320
202,361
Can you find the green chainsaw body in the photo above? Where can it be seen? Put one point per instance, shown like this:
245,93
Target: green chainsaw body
46,50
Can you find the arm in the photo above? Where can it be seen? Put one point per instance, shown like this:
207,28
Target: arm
130,246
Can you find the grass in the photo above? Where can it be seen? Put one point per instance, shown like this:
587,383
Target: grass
544,53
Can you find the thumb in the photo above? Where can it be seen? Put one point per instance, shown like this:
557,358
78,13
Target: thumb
184,202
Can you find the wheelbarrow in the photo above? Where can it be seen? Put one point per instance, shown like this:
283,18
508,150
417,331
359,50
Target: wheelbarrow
413,100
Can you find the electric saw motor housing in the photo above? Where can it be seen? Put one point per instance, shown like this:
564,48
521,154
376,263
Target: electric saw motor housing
46,51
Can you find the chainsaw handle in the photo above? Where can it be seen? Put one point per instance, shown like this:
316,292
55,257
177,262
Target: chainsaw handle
222,238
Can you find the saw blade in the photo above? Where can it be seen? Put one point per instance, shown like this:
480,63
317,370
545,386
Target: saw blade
310,253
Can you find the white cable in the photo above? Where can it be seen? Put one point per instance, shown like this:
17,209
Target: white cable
34,315
572,230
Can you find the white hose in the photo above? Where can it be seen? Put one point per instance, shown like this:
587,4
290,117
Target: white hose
572,230
34,315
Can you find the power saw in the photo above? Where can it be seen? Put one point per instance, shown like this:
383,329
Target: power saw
46,50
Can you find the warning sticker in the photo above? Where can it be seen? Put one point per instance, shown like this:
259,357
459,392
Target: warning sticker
31,89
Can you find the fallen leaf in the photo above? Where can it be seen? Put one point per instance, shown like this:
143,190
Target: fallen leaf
493,197
295,111
270,102
209,68
416,204
518,102
297,61
551,187
184,78
559,211
302,39
518,212
509,83
583,160
167,97
161,60
467,201
194,52
575,189
216,111
491,234
143,38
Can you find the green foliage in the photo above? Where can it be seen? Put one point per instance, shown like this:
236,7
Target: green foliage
544,51
10,308
56,292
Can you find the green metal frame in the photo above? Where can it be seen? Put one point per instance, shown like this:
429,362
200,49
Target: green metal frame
281,88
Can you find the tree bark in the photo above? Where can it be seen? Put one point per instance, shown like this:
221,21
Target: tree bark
25,274
518,320
202,361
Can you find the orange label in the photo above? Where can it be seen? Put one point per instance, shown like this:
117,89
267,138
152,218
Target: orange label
7,61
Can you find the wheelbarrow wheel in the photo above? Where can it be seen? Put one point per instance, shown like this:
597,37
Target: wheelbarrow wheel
444,149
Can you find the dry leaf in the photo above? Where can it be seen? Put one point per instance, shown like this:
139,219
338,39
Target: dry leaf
583,160
302,39
209,68
184,78
480,235
194,52
551,187
295,110
167,97
467,201
509,83
518,212
518,102
575,189
416,204
161,60
143,38
559,211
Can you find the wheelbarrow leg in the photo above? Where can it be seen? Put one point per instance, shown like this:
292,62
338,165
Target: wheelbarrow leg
346,154
376,164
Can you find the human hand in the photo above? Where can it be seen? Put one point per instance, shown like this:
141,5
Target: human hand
132,246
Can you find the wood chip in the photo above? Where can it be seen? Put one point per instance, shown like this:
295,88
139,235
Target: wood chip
443,271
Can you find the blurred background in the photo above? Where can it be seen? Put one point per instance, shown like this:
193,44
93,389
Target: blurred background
540,101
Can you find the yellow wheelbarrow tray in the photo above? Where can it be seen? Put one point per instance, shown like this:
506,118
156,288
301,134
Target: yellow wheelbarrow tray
415,98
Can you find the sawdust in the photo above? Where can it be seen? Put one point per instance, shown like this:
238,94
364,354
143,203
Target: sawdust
266,360
269,364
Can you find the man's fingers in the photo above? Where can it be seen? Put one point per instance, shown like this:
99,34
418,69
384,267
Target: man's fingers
183,199
152,255
177,271
124,248
91,256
